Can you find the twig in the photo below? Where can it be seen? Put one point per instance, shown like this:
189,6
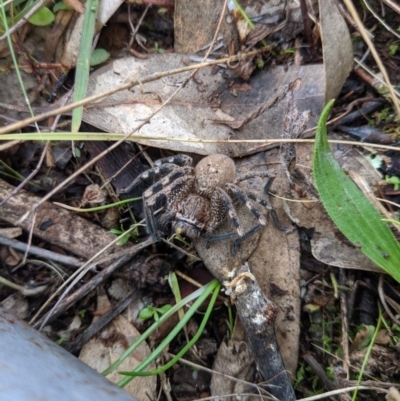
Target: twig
367,39
42,253
100,323
134,30
345,326
29,177
24,19
81,272
99,278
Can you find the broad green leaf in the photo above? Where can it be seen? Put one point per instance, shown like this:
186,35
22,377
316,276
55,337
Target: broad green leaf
99,56
350,210
83,62
42,17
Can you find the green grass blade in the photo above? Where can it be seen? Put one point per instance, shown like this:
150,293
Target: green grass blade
350,210
83,62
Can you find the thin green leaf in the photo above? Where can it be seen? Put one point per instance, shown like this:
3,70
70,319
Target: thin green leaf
42,17
61,6
83,62
349,209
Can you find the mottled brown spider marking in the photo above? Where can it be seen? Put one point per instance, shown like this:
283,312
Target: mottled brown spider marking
198,199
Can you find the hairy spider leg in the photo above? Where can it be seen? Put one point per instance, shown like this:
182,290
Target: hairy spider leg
217,237
164,183
221,196
278,224
150,174
250,203
151,198
181,160
151,225
236,243
253,174
263,202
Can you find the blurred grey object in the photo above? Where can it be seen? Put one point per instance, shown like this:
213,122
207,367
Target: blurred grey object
36,369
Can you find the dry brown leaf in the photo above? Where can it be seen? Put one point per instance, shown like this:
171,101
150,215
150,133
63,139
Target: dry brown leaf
104,349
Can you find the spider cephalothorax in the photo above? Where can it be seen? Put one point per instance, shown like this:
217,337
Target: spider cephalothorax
197,198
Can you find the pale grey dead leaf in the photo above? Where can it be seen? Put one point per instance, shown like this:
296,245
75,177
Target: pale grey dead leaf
337,48
190,115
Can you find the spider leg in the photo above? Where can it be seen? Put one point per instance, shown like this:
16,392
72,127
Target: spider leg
164,183
151,225
180,160
238,241
175,191
217,237
221,202
151,173
252,174
248,201
278,224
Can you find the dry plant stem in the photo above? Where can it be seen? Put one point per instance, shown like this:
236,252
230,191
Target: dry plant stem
345,14
372,11
100,323
320,372
23,20
367,39
171,244
30,176
78,275
7,145
134,30
40,252
382,297
30,235
345,327
39,164
128,85
98,279
184,361
393,5
313,398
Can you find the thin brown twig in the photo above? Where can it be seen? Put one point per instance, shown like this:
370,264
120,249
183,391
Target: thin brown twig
367,39
86,288
40,252
393,5
345,328
75,278
135,30
29,177
24,19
